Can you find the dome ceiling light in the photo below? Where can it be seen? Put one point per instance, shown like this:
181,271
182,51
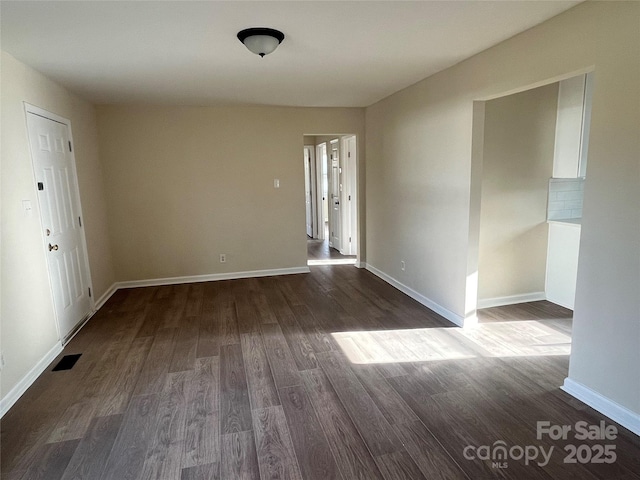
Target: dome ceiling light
261,40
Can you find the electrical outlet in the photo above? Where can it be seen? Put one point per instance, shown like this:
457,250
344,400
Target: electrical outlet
223,258
402,265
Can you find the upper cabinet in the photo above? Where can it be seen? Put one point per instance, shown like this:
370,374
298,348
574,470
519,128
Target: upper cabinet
572,127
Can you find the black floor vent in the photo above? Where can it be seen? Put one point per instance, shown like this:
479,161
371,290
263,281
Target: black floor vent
67,362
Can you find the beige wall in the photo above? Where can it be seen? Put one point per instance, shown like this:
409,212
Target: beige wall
27,320
519,133
187,184
421,196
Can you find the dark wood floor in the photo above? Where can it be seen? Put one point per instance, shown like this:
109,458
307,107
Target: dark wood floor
320,250
332,374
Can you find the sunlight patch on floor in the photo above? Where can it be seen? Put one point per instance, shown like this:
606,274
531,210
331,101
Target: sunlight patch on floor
500,339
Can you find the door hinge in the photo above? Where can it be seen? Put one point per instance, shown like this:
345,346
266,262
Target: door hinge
70,149
80,221
349,197
349,155
40,186
89,291
349,239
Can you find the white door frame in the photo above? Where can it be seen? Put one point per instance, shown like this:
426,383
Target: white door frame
335,225
57,118
320,164
308,192
349,195
314,190
349,210
344,206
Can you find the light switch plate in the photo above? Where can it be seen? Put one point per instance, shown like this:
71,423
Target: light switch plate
28,209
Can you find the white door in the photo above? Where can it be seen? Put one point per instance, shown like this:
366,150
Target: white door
307,192
335,218
59,201
323,192
350,210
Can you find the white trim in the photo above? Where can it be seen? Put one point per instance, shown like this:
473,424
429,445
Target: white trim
604,405
511,300
320,190
427,302
332,261
359,264
46,114
25,382
314,189
154,282
106,296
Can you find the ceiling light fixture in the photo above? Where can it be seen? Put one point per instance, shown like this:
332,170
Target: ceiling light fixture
261,40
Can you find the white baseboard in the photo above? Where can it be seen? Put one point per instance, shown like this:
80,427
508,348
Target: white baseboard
25,382
106,296
155,282
332,261
511,300
625,417
430,304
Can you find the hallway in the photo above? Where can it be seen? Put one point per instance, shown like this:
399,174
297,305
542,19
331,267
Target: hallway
320,253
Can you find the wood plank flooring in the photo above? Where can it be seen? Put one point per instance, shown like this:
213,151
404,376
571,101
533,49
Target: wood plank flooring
320,250
333,374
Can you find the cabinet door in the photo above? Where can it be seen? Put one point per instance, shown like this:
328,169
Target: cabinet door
569,123
562,264
586,125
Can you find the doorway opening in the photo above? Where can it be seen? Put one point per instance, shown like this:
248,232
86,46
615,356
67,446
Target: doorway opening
528,173
331,199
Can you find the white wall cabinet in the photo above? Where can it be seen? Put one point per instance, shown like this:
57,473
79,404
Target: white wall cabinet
572,127
562,263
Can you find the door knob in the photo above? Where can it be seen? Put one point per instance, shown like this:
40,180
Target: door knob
53,247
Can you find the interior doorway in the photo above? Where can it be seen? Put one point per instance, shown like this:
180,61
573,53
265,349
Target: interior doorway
529,154
534,157
331,190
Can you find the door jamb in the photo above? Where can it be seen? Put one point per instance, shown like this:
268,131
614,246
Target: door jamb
313,187
335,141
320,190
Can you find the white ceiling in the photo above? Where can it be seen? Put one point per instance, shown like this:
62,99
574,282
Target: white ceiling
186,53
